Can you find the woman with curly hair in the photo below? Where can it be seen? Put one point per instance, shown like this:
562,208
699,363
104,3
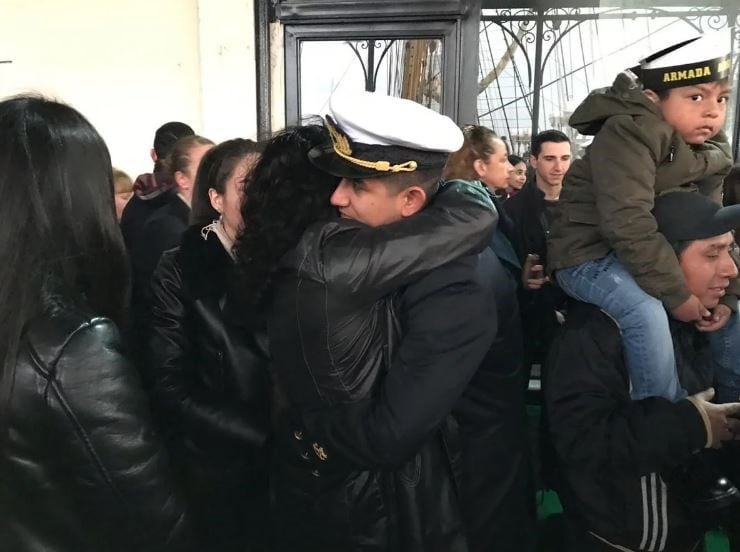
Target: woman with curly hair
208,362
285,194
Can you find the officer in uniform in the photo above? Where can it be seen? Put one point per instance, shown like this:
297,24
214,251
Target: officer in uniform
435,428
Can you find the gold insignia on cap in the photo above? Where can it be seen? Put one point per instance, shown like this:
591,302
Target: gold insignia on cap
340,143
338,139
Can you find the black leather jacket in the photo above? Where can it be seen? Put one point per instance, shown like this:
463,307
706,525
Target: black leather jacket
81,467
209,359
333,328
209,368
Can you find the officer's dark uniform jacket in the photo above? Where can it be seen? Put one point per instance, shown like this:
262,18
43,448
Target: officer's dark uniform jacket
209,366
608,195
81,467
485,434
617,456
333,301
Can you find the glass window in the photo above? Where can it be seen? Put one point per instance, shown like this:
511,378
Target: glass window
403,68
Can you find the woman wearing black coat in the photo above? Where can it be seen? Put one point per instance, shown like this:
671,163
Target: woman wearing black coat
81,468
208,361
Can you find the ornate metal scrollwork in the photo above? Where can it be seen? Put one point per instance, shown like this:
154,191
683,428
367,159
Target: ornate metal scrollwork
370,66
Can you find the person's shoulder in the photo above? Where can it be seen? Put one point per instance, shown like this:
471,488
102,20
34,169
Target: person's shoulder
524,202
168,215
53,336
463,271
647,128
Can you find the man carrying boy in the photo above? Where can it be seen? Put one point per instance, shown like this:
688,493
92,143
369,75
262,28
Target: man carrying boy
657,129
623,461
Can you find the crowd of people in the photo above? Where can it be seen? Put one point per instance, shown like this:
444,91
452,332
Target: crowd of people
323,341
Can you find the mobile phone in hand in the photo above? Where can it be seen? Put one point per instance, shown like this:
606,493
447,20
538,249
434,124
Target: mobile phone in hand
532,260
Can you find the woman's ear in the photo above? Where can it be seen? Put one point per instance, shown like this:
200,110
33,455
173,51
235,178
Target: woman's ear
181,180
217,200
480,167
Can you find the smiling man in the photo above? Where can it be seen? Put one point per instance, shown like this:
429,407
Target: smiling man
624,462
531,211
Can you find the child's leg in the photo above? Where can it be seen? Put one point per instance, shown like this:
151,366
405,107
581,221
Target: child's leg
641,318
726,355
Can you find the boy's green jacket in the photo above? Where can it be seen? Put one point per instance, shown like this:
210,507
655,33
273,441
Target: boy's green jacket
608,195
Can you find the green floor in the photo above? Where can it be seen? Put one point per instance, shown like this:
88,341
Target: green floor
548,504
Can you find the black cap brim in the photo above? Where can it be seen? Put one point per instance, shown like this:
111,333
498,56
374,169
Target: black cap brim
325,158
727,219
688,216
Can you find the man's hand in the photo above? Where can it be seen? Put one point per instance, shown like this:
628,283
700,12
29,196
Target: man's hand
533,273
720,315
718,420
691,310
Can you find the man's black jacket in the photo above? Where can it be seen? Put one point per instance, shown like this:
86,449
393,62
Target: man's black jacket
530,229
615,454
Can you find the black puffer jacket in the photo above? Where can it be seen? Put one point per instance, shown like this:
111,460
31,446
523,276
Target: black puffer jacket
618,457
81,467
332,330
209,365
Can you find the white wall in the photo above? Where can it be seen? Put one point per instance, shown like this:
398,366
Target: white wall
131,65
228,68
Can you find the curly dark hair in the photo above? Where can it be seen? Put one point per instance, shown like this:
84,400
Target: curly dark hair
285,193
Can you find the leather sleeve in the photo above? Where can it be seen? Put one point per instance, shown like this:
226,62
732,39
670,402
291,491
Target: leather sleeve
624,188
594,424
374,262
451,322
108,410
171,361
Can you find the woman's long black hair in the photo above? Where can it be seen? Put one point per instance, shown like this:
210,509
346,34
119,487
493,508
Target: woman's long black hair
59,239
285,193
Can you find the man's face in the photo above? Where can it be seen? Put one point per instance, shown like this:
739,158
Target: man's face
368,201
708,268
696,112
552,163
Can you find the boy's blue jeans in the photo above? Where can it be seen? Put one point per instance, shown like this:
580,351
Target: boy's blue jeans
643,321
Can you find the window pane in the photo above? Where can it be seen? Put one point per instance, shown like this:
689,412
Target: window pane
403,68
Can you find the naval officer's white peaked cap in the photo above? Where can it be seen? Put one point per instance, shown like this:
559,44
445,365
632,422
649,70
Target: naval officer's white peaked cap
373,118
372,135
